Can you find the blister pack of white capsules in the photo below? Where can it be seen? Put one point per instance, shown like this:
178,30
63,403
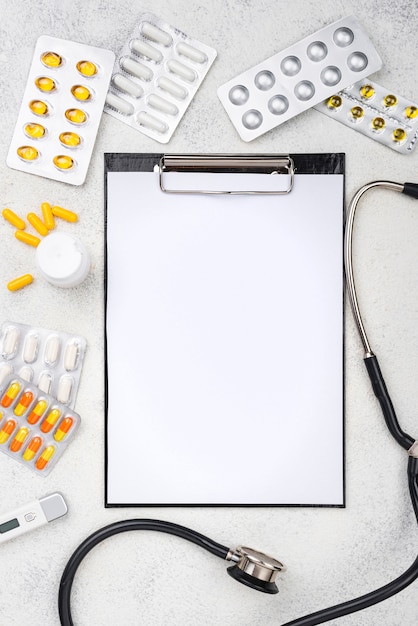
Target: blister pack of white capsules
35,429
299,77
51,360
376,112
61,110
155,77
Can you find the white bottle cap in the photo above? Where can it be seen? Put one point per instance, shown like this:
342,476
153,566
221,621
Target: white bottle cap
63,260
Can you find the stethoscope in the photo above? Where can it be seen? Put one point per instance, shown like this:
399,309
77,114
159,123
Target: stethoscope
256,569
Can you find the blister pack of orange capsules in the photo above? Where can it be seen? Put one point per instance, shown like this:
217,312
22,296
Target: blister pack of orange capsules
35,429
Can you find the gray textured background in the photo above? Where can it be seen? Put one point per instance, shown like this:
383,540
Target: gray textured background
331,554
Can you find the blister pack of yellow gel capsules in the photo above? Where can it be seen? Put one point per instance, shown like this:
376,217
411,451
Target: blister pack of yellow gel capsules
49,359
61,110
376,112
35,429
156,75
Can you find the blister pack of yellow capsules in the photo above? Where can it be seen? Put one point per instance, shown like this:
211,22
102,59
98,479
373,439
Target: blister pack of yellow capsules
61,110
35,429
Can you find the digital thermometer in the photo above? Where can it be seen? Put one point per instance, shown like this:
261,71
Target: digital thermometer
31,516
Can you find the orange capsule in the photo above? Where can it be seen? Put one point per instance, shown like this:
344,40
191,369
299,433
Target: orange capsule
24,401
63,428
33,447
37,412
7,430
50,420
10,394
20,437
45,457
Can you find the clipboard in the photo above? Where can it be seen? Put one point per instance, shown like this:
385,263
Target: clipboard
224,330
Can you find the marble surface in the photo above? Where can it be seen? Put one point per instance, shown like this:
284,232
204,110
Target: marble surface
332,554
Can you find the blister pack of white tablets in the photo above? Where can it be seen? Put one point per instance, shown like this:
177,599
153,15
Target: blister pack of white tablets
377,113
155,77
35,429
299,77
51,360
61,110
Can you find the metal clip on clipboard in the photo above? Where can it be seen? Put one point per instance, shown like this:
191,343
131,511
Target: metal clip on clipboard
224,163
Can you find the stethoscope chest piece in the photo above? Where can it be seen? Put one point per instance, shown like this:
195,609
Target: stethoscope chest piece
255,569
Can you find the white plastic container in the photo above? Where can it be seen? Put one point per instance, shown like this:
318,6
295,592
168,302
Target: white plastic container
63,260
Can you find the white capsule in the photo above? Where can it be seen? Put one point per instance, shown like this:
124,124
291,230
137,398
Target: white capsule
45,382
156,34
52,349
10,342
30,349
181,70
72,352
119,104
144,49
26,373
127,85
168,85
136,69
191,53
5,371
162,105
64,389
151,122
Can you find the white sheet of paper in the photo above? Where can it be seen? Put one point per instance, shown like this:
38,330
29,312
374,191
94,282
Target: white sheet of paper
224,344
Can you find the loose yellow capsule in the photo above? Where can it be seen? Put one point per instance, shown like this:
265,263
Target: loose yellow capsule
38,107
63,162
28,153
390,100
80,92
76,116
37,223
44,83
31,240
65,214
47,215
20,282
35,131
51,59
13,219
399,135
378,123
357,113
334,102
367,91
411,112
71,140
86,68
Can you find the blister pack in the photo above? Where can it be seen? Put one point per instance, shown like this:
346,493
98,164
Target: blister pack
35,429
61,110
299,77
377,113
50,360
156,76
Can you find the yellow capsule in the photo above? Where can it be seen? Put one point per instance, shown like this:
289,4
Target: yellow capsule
37,411
63,162
20,282
63,429
47,215
367,91
13,219
10,394
71,140
20,437
35,131
31,240
7,430
45,457
65,214
399,135
51,59
411,112
50,420
357,113
378,123
38,107
28,153
86,68
37,223
80,92
45,84
33,447
76,116
390,100
334,102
